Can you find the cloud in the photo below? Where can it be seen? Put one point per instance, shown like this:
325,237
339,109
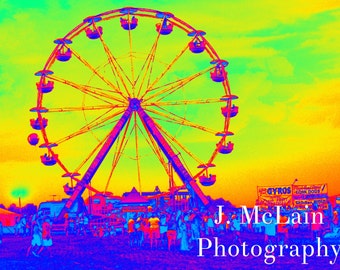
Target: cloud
316,105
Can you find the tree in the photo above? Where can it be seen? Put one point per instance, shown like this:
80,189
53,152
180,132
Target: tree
14,208
29,209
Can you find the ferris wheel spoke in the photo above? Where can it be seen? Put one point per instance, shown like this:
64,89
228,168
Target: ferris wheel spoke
117,70
173,139
154,147
87,90
174,145
184,102
84,108
92,153
173,118
97,73
93,125
102,120
150,86
178,164
147,66
170,88
102,89
80,132
131,55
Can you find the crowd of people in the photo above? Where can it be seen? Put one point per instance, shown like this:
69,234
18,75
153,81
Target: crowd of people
39,227
174,229
169,229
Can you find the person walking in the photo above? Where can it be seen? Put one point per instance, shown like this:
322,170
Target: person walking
1,232
46,236
36,242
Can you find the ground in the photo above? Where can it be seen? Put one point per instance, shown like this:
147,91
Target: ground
115,253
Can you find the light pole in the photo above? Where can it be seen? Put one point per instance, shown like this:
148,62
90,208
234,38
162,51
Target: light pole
293,202
20,204
295,181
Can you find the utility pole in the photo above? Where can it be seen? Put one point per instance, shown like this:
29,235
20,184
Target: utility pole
20,204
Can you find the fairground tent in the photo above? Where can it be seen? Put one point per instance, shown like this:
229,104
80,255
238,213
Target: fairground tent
133,197
7,218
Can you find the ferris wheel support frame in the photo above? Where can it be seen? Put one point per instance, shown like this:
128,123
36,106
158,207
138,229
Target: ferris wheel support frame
182,172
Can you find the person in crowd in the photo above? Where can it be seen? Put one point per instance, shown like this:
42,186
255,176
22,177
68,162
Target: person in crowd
183,232
131,231
335,221
112,231
195,227
235,228
1,232
101,231
80,224
46,236
66,224
154,230
17,226
228,223
171,233
28,227
163,229
36,241
210,224
145,228
282,230
139,231
316,227
22,226
86,224
270,230
72,225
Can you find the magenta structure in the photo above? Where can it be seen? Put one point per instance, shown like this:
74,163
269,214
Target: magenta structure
126,95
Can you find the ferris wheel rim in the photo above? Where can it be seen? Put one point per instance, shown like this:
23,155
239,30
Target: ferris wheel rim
67,39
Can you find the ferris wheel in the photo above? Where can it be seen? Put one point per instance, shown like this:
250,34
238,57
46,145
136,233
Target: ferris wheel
133,85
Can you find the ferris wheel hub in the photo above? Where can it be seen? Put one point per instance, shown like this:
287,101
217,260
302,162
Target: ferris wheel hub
135,103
